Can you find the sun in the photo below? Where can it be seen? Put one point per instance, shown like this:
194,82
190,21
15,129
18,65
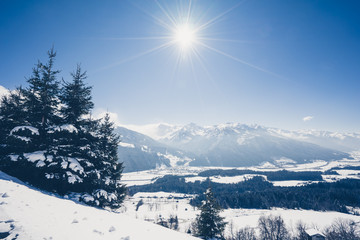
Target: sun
185,36
188,32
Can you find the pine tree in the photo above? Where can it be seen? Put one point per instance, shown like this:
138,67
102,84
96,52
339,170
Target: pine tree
42,98
47,139
76,97
209,224
110,192
12,114
73,136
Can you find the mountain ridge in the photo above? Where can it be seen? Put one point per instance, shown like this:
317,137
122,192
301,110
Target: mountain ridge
238,145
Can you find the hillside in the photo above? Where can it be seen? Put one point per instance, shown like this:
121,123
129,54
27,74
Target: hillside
228,145
140,152
27,213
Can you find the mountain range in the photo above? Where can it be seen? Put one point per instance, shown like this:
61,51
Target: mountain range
229,145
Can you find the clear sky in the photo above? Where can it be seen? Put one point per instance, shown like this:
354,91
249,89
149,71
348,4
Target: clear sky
285,64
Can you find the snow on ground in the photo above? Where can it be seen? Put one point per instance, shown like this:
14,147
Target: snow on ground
163,205
149,176
128,145
30,214
249,217
139,178
291,183
226,180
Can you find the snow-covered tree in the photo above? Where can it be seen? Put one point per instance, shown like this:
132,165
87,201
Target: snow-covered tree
110,191
209,224
12,114
49,140
42,94
76,97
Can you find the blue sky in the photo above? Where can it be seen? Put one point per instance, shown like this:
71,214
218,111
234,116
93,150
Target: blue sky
266,62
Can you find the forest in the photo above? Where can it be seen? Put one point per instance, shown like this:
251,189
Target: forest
256,192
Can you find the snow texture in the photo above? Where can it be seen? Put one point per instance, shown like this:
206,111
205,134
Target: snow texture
29,214
33,130
128,145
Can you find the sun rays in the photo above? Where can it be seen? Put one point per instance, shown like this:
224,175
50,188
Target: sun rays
188,34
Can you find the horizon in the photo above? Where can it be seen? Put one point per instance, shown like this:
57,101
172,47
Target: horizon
286,65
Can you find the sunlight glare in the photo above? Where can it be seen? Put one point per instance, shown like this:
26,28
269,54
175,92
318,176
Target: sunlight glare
185,36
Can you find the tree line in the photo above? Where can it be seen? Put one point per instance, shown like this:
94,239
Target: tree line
259,193
282,175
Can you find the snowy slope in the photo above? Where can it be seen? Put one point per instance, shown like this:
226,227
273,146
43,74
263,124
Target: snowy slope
334,140
229,145
223,145
140,152
164,204
235,145
29,214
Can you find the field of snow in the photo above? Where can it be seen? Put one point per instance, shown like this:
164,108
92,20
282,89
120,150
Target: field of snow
26,214
220,179
163,205
149,176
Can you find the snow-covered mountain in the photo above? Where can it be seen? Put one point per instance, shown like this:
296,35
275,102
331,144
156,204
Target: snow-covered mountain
27,213
340,141
140,152
235,145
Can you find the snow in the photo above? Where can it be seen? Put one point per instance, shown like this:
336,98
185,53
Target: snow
226,180
64,164
127,145
145,149
320,220
149,176
75,165
139,178
35,215
13,157
164,204
174,160
35,156
69,127
313,232
33,130
26,139
72,178
65,127
4,91
194,179
291,183
40,163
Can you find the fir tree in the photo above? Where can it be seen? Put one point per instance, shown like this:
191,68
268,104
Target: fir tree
108,171
209,224
76,97
70,152
17,134
42,98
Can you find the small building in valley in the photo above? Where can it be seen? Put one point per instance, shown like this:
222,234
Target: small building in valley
314,234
